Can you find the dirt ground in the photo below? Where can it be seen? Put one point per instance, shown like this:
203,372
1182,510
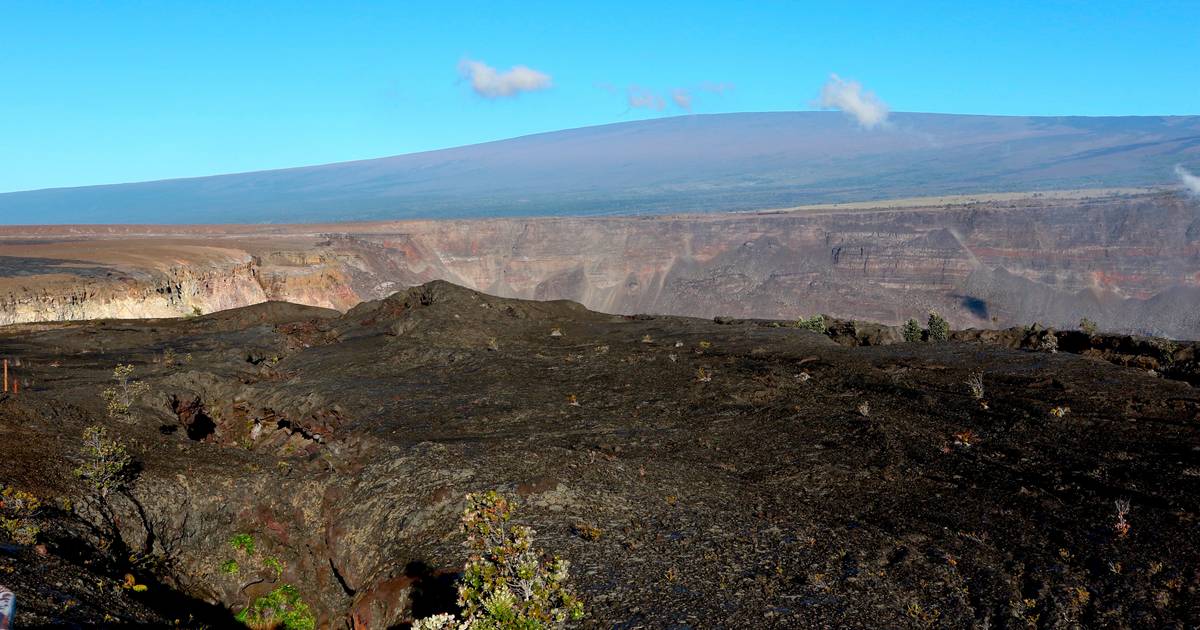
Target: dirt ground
696,473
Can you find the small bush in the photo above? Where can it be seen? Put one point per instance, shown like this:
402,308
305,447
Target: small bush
107,467
506,583
975,385
939,328
587,531
1121,526
912,331
243,543
816,323
274,566
1088,326
120,398
18,509
1048,342
281,608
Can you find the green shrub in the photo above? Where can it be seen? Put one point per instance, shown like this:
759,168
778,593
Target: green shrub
106,467
281,608
254,560
912,331
243,543
18,509
1088,326
274,565
939,328
506,583
816,323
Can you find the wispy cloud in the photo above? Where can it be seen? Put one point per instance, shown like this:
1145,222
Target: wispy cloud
639,97
491,83
642,98
849,97
1192,182
682,98
716,88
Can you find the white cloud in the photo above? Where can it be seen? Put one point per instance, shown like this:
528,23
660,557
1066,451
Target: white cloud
490,83
849,97
641,98
682,98
1191,181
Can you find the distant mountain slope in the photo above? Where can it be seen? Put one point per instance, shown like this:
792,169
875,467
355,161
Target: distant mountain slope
688,163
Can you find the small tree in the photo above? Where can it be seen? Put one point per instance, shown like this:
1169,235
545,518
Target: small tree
120,398
912,331
506,583
106,467
939,328
1087,326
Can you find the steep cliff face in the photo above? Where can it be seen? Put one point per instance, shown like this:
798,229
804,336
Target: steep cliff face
179,290
1128,262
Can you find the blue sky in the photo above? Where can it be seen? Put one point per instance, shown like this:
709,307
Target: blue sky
107,92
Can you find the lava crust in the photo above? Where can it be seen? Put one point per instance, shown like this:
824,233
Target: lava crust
696,473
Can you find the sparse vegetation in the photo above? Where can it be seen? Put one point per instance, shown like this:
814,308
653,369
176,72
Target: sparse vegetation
1087,326
975,385
18,514
506,583
587,531
281,608
254,562
1048,342
1166,349
107,467
912,331
1121,527
120,398
939,328
243,543
274,565
816,323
